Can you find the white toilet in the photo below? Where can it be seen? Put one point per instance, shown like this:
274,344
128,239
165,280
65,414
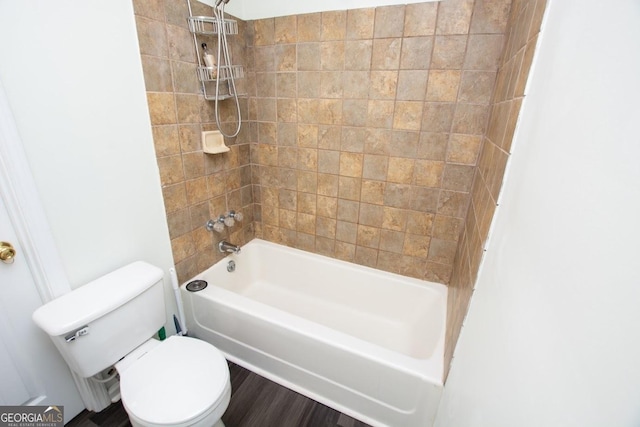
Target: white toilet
177,382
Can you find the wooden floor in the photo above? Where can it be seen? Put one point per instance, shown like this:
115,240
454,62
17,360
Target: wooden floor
255,402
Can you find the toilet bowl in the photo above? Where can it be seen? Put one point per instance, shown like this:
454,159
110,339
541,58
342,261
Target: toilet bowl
178,382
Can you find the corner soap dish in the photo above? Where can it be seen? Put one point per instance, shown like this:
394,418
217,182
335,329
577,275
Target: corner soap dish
213,142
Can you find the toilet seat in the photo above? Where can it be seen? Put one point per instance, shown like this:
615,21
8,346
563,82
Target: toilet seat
176,382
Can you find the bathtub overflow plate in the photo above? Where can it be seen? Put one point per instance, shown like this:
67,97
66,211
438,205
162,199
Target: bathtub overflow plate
196,285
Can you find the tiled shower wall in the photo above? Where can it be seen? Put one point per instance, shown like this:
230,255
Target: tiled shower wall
369,128
370,135
522,35
196,186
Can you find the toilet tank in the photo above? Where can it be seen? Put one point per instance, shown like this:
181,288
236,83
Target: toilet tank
97,324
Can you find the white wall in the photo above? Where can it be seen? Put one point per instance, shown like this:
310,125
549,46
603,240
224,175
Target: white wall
552,337
258,9
74,81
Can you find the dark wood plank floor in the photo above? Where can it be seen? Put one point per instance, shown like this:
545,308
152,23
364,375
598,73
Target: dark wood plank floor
255,402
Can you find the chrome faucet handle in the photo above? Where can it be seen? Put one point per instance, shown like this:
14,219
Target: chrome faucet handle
215,224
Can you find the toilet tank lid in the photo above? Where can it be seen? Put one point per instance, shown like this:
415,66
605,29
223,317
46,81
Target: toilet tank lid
97,298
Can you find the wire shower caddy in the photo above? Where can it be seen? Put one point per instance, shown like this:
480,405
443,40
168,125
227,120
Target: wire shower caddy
207,26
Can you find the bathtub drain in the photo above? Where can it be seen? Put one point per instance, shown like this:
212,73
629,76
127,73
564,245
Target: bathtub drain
196,285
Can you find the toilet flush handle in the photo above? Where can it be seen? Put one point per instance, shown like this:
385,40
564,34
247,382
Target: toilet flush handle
74,335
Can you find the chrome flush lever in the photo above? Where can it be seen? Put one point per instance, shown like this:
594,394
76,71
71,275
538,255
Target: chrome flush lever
74,335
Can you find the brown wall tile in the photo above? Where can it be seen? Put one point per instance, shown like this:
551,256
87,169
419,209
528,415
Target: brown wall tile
180,44
416,53
285,29
162,108
443,85
386,54
334,25
264,32
490,16
449,52
360,23
309,27
152,37
420,19
389,21
454,17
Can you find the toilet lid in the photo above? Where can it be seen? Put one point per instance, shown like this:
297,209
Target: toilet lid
177,381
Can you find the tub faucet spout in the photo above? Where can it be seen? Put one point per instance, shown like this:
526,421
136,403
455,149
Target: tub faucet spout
225,247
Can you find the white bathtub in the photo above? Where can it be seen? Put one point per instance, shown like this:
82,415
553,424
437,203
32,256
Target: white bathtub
367,343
